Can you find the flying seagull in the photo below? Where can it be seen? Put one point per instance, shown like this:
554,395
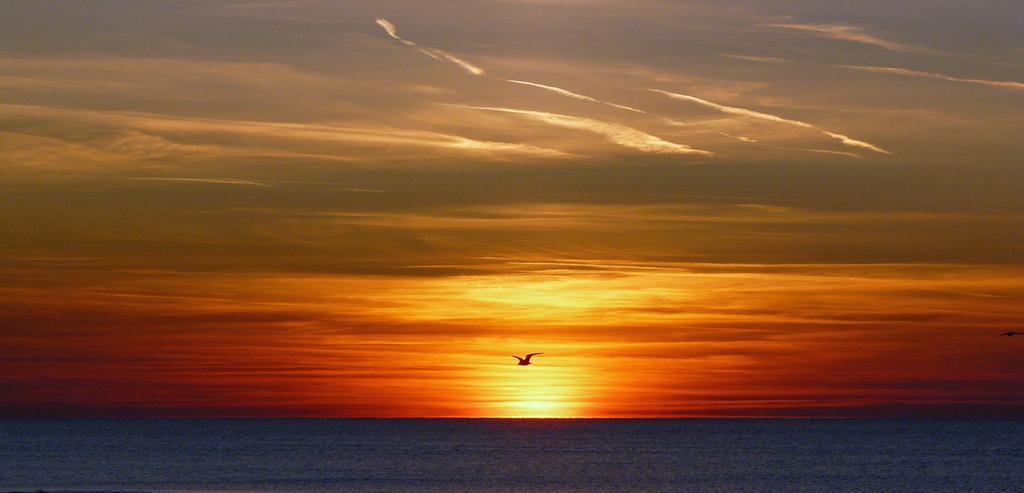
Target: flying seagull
1009,333
525,361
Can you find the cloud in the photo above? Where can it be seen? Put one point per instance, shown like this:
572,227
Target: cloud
819,151
563,92
856,35
392,31
434,53
751,58
135,135
773,118
341,185
220,181
1003,84
845,139
468,67
855,143
733,110
616,133
739,137
236,181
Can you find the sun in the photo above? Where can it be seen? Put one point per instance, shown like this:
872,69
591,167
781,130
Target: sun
538,409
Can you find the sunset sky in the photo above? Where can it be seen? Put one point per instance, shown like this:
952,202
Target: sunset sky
777,208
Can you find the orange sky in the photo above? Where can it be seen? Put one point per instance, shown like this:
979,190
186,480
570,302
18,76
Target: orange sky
312,208
619,340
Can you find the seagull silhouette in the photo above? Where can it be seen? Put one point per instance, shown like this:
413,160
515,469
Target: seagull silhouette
1009,333
525,361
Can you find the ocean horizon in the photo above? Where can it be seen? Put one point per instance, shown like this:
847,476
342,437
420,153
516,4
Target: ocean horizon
502,454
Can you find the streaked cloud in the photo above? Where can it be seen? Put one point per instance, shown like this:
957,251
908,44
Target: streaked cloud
845,140
819,151
434,53
468,67
752,58
614,132
739,138
217,181
732,109
855,143
1002,84
854,34
799,149
264,183
564,92
151,134
392,31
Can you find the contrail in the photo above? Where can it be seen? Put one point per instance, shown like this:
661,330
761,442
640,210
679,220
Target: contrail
563,92
434,53
856,35
390,28
739,137
819,151
220,181
854,142
618,134
752,58
1005,84
468,67
774,118
733,110
341,185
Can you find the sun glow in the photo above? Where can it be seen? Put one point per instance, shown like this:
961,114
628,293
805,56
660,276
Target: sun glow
554,389
536,409
548,299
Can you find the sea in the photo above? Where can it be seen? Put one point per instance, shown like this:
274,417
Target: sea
511,455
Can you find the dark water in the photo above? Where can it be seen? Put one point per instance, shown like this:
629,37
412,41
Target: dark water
512,455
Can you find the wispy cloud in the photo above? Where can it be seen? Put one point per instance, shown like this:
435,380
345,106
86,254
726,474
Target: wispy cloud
854,142
752,58
434,53
342,186
739,138
468,67
733,110
1003,84
218,181
563,92
819,151
392,31
854,34
155,134
253,183
845,140
614,132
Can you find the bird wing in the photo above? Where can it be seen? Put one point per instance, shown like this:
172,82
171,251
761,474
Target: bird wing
518,358
528,356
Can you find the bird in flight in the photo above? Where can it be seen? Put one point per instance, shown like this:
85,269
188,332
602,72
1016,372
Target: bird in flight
525,361
1009,333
